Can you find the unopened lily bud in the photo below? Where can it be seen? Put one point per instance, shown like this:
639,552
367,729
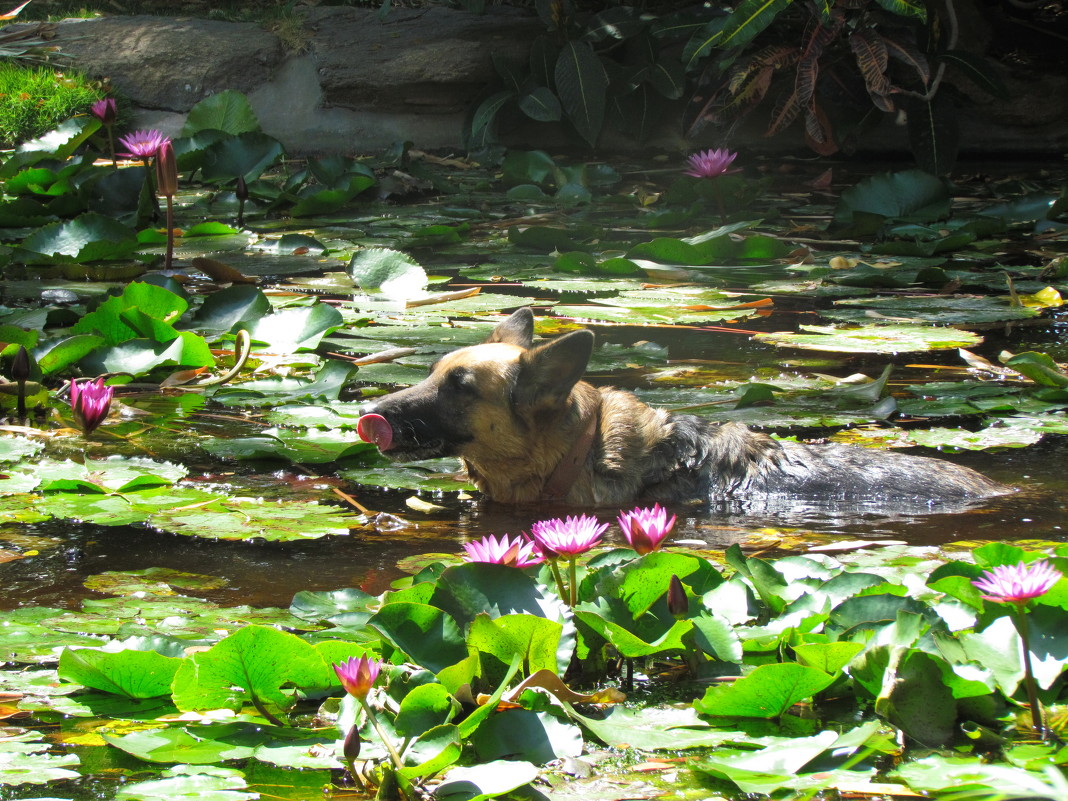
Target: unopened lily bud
242,189
106,110
20,365
678,603
166,170
351,748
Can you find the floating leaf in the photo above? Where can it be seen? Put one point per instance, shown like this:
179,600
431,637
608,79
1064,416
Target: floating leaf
250,518
872,339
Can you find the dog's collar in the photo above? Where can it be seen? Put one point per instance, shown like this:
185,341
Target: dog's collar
568,469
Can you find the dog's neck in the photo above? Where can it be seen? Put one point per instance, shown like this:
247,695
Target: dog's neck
567,470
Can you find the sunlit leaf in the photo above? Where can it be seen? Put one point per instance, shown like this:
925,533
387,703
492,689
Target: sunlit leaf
873,339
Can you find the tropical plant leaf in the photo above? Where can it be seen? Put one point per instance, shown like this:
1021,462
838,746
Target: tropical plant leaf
906,8
582,85
747,20
872,58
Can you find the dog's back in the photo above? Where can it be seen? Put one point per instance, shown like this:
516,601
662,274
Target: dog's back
648,454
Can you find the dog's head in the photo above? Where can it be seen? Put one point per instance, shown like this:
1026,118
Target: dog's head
494,396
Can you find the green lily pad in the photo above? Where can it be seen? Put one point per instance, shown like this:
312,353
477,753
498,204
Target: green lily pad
936,309
310,446
436,475
251,518
872,339
25,760
152,581
192,782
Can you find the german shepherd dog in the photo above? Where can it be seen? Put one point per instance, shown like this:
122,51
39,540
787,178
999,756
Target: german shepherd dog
528,429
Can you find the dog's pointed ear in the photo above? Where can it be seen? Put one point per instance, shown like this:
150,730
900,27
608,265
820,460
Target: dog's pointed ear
548,372
516,329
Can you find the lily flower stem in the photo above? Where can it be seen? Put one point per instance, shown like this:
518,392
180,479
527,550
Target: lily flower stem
1022,627
20,399
111,147
371,716
561,591
258,704
170,234
573,578
151,186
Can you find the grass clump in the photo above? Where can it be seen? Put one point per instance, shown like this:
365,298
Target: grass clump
34,100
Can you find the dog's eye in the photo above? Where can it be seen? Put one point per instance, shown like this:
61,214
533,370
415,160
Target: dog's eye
463,381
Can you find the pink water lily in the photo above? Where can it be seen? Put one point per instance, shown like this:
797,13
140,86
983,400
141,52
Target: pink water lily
106,110
568,537
358,675
711,163
90,402
143,144
517,552
1017,584
645,529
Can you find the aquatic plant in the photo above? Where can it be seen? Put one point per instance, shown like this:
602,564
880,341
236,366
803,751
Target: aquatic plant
90,402
517,552
711,163
569,538
167,183
645,529
358,675
143,144
106,110
1016,585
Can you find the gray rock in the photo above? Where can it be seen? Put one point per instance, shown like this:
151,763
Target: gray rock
171,64
430,61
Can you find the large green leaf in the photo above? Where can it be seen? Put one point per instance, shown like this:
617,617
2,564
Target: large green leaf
88,237
246,156
767,692
535,638
227,111
912,195
296,328
390,272
426,634
251,665
129,672
582,85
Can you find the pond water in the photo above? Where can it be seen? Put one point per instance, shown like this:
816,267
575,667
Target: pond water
690,363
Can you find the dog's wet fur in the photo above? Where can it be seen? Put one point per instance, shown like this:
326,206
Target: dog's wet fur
512,411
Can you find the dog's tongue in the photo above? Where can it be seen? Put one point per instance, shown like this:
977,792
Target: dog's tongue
375,428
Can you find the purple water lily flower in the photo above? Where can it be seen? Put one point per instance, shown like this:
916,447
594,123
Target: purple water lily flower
90,402
645,529
568,537
516,552
1017,584
143,144
106,110
358,675
711,163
